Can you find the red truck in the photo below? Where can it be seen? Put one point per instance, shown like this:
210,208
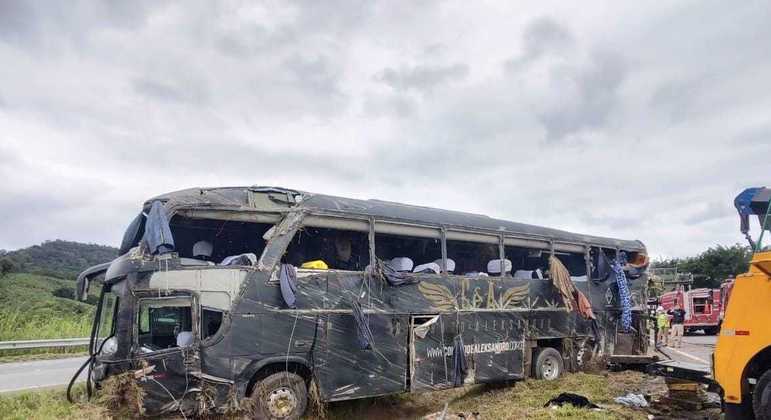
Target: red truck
703,307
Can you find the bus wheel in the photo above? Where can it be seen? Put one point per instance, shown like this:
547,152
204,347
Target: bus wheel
548,364
282,395
761,397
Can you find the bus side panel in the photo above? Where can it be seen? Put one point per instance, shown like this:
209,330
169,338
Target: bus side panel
495,343
350,371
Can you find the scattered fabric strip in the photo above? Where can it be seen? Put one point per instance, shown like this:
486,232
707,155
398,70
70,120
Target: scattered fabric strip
157,231
288,282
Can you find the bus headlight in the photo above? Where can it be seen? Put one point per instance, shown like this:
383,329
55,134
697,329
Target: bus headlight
110,346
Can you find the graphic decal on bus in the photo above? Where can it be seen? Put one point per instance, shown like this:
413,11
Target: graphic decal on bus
442,298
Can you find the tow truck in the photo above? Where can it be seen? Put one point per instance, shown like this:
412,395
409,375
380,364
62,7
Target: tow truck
740,368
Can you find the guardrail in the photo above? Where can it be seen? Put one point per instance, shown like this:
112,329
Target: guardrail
42,344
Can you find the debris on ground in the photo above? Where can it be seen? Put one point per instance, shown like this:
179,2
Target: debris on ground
444,415
578,401
632,400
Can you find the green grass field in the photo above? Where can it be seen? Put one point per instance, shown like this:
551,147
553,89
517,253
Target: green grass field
29,309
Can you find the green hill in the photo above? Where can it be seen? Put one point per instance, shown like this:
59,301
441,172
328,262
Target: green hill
30,308
37,296
62,259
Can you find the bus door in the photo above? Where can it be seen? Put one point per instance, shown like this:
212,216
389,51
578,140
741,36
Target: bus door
167,351
431,363
351,368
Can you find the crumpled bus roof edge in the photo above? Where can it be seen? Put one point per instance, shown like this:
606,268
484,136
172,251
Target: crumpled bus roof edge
239,198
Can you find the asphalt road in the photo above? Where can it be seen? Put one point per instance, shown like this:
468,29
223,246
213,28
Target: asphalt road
39,374
696,349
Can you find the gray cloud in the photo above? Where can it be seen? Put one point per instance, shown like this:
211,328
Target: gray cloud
592,93
168,93
541,36
712,211
422,78
38,23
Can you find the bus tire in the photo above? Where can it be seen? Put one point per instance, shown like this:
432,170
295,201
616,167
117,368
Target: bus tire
711,330
761,397
548,364
280,396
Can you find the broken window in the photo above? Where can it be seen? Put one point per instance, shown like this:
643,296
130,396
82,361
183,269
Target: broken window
165,323
472,258
109,311
217,240
338,249
574,262
409,253
527,263
211,321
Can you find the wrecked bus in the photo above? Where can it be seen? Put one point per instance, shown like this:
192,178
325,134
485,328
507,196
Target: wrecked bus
247,298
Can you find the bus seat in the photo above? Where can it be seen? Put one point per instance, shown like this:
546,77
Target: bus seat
494,266
528,274
428,268
240,259
476,274
450,264
184,338
402,264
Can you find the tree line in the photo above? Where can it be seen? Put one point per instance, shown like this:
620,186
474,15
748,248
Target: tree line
713,266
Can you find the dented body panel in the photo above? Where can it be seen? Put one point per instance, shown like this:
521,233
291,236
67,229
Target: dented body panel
501,320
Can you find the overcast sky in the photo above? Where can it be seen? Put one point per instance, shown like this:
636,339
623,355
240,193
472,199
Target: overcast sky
623,119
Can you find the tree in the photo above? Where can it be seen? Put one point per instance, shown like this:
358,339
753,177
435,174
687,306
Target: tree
716,264
6,266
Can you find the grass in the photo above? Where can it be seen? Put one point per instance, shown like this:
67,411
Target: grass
29,310
521,400
18,325
48,404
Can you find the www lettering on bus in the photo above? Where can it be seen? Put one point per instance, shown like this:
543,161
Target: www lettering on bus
477,348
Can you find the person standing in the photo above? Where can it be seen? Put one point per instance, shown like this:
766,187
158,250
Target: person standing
677,328
662,323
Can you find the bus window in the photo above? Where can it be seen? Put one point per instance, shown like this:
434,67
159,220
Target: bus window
472,258
425,254
338,249
575,263
600,262
527,263
211,321
164,323
225,238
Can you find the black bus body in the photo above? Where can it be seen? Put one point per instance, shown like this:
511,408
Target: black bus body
200,335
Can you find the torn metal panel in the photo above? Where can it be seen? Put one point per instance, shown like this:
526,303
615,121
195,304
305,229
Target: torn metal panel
217,286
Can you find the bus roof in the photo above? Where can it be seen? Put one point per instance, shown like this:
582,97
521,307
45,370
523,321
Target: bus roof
243,198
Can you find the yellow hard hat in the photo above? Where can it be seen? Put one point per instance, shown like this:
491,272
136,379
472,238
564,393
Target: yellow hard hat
315,265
